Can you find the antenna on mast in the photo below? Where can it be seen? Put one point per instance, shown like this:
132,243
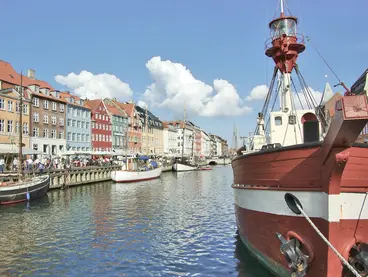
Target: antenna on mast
282,7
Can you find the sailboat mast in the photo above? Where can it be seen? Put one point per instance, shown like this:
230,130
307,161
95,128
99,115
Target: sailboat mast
147,137
282,7
20,128
182,151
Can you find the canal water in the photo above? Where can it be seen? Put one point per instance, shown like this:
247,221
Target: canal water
182,224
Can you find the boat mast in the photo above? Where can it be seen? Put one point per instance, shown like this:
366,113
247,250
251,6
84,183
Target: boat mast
147,137
20,129
182,151
282,7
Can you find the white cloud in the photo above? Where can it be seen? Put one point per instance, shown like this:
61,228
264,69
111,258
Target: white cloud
300,100
257,93
142,104
173,85
87,84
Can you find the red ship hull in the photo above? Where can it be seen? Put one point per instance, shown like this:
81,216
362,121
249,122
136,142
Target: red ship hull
333,194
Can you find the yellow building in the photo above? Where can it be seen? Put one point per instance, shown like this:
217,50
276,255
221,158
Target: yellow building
10,117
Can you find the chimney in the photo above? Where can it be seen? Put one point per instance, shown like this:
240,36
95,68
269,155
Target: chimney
31,74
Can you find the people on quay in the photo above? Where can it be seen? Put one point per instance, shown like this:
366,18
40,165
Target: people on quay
2,164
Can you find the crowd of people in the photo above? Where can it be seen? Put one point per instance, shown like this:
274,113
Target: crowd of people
42,163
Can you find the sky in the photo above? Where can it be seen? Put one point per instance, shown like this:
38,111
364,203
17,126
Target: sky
207,55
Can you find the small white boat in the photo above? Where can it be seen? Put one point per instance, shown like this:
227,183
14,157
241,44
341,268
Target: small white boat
132,171
178,166
126,176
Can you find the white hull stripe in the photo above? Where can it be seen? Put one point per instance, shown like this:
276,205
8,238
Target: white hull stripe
316,204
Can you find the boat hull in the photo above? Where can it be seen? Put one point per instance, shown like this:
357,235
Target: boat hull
18,193
183,167
260,183
122,176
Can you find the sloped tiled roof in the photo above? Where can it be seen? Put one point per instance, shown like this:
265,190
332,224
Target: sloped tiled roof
66,95
9,75
114,110
93,104
127,107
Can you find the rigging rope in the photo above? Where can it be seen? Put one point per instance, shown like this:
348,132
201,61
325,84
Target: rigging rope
341,258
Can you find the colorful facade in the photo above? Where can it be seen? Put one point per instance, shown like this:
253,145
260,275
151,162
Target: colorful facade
135,127
78,124
119,123
100,126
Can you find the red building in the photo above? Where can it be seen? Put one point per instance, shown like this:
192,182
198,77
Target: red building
101,126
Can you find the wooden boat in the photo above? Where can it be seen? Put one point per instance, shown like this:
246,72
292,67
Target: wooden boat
27,188
301,199
133,171
184,164
15,192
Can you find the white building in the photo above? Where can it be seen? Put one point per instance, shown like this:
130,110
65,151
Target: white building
170,139
205,144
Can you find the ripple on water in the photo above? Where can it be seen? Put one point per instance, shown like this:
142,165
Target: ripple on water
180,225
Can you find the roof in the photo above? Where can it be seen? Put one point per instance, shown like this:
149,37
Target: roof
9,75
93,104
114,110
150,115
65,95
127,107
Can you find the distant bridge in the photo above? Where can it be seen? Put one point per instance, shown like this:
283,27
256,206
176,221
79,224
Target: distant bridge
219,161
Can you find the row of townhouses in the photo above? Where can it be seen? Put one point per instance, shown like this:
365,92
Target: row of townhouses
55,122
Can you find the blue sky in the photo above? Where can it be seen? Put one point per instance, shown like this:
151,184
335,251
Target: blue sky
213,39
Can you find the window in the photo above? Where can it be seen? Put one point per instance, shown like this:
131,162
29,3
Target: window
36,102
87,138
53,120
35,146
25,108
36,132
2,125
2,104
36,117
69,122
45,118
61,108
61,134
78,137
10,106
87,125
10,126
78,124
25,128
69,109
61,121
54,106
84,114
45,133
74,112
69,136
17,107
74,123
73,137
45,104
53,133
93,124
83,125
83,137
278,120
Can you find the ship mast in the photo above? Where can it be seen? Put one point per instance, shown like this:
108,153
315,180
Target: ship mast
284,49
182,150
20,130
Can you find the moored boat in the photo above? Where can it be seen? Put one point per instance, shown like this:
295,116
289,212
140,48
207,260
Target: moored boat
301,193
181,166
27,190
136,169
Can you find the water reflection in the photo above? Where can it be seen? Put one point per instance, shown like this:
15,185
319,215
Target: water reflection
178,225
